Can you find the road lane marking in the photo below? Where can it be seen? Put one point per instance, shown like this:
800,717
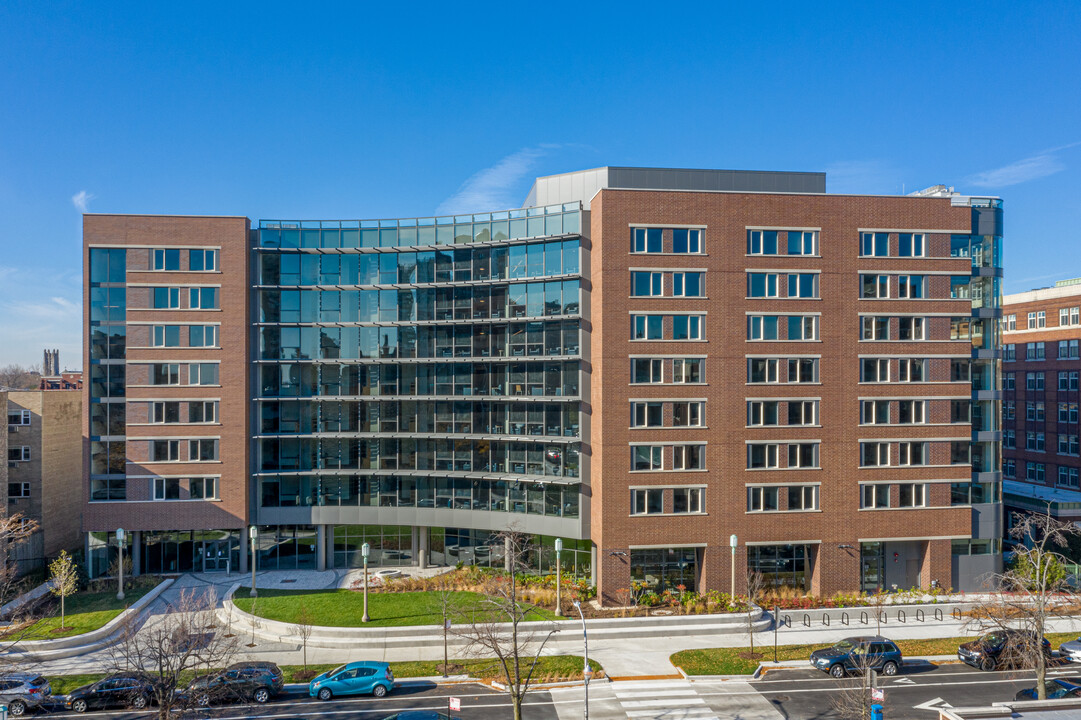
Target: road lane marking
936,704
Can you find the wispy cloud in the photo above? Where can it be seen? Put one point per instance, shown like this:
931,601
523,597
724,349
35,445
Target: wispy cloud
496,187
1042,164
81,200
40,308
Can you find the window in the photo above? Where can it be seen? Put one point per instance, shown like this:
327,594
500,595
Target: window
762,327
761,456
874,328
874,370
911,412
689,457
762,412
803,370
1041,319
802,242
647,414
1034,351
960,411
761,242
910,245
910,328
1009,352
166,260
203,298
1067,444
1009,439
164,374
910,370
18,417
203,488
1009,468
1034,441
910,286
164,450
874,244
874,454
646,240
166,298
203,373
19,490
1068,349
1067,413
202,412
803,285
688,500
1031,320
874,286
688,284
802,412
202,335
686,241
687,327
1035,472
874,496
165,412
912,453
802,327
1067,380
647,327
203,260
803,455
762,285
166,335
687,414
911,495
803,497
646,284
202,450
762,370
1010,322
19,453
645,370
166,488
1068,477
1009,380
646,457
1034,381
875,412
687,370
647,502
762,499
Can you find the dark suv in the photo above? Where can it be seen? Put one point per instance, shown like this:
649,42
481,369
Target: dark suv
235,685
857,654
1000,648
120,690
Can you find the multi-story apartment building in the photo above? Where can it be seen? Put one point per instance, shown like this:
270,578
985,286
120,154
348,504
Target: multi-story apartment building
640,362
1042,363
41,478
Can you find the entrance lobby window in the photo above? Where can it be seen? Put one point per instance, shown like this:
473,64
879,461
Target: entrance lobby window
665,568
781,565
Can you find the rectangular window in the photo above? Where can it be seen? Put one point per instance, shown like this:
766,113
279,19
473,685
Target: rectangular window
166,298
1011,322
1067,444
686,241
803,455
803,285
802,412
1008,381
874,496
688,284
1034,351
803,497
874,454
647,414
166,335
19,453
802,242
1009,468
647,327
646,284
689,457
1009,352
687,370
203,412
687,327
802,327
912,453
762,370
1031,323
646,240
168,260
646,370
910,370
1041,319
761,242
164,450
911,495
874,286
874,244
874,328
165,412
687,414
803,370
646,457
911,412
762,285
203,298
688,500
875,412
203,488
762,412
910,286
202,335
202,260
910,245
202,450
762,499
762,327
165,374
203,373
19,490
874,370
1035,472
19,417
166,488
911,328
1009,439
647,501
761,456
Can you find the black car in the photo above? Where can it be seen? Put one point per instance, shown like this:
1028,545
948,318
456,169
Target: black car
120,690
857,654
235,685
269,667
1056,690
1000,648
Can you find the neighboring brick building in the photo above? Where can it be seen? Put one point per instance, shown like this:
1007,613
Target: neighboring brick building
43,470
614,364
1042,363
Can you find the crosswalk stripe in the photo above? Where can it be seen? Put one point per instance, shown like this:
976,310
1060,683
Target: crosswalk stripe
668,702
653,693
696,713
648,684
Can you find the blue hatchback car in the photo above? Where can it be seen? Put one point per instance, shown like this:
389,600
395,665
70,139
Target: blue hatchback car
356,678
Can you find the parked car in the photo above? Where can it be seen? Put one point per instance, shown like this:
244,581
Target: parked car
999,648
1056,689
120,690
23,691
235,685
858,653
356,678
270,667
1071,649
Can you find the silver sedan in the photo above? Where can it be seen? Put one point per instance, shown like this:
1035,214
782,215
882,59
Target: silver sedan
1071,649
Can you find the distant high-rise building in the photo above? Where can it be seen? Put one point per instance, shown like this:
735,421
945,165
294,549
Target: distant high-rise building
51,366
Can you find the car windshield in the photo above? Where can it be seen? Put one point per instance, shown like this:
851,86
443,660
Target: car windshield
38,681
994,638
844,646
336,670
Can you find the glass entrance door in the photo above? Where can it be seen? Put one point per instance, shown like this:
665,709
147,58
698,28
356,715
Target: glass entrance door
872,560
216,556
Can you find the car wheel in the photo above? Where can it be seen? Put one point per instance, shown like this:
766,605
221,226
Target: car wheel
79,706
202,700
838,670
987,664
261,695
890,668
379,690
17,707
325,694
139,702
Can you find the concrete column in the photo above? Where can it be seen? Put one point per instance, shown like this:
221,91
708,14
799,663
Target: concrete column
329,545
320,547
86,555
507,550
422,547
593,566
243,569
136,552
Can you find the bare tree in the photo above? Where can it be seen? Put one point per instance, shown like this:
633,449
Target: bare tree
14,531
496,630
172,647
18,377
756,584
444,596
1027,592
303,630
64,580
852,700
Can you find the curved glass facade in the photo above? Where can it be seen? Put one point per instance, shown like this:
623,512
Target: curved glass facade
428,364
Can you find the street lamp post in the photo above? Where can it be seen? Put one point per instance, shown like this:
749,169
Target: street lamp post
120,565
253,533
559,578
364,550
734,542
586,671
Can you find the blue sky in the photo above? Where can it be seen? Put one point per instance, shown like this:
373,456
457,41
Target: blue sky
392,109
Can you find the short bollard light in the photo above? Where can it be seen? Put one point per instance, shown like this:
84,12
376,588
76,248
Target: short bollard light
365,550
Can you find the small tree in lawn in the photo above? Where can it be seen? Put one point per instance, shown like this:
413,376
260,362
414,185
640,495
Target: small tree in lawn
756,583
852,700
444,596
302,628
64,580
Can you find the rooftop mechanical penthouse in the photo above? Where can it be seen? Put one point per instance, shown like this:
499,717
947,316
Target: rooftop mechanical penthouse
641,362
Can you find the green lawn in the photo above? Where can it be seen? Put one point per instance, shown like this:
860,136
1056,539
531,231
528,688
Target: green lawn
727,661
344,608
84,612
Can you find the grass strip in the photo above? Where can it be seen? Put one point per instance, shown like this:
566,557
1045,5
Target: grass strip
84,612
